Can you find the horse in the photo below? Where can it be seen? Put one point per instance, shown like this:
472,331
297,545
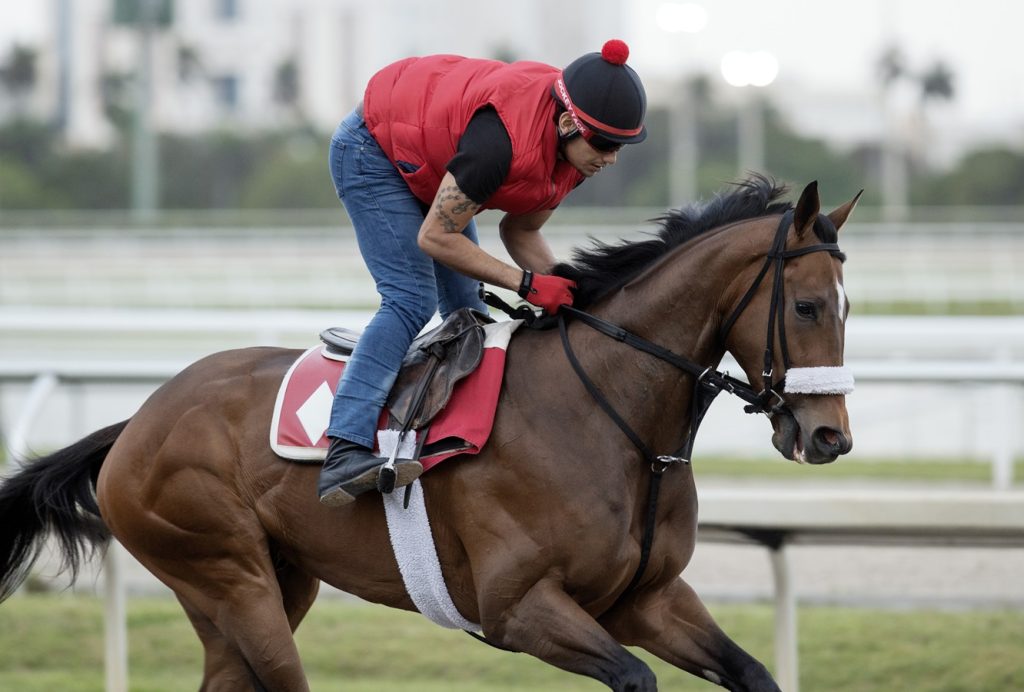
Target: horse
547,539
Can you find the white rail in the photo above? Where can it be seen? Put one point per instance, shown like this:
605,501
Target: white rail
1004,378
778,518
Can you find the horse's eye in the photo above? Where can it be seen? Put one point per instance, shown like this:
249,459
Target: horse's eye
809,311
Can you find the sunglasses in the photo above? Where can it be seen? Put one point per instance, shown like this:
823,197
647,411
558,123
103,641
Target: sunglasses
601,144
596,141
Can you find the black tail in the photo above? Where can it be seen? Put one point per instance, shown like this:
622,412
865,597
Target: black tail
55,493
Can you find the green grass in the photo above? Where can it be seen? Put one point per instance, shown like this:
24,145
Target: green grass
56,643
852,469
978,308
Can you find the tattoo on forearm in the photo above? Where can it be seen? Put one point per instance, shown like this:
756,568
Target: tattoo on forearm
451,202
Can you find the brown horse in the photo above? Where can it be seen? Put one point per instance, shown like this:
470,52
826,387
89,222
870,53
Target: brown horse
540,537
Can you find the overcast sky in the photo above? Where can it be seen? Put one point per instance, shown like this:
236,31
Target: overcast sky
830,48
824,48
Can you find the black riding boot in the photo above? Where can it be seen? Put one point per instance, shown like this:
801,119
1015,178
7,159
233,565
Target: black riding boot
351,469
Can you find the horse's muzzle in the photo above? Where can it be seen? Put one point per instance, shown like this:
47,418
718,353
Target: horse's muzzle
823,445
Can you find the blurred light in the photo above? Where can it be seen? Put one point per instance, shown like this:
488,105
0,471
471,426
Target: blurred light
741,69
681,17
764,68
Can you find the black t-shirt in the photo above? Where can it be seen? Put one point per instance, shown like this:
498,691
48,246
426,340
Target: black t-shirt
484,157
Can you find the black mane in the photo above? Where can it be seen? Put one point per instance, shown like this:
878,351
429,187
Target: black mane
603,267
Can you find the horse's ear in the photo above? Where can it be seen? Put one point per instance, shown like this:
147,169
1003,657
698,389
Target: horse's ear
806,212
841,214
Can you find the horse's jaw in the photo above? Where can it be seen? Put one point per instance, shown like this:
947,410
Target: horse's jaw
786,436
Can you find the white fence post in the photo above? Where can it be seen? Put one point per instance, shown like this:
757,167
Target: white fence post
42,387
1006,419
787,667
115,621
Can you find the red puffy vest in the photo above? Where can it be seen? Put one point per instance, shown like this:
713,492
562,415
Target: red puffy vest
418,108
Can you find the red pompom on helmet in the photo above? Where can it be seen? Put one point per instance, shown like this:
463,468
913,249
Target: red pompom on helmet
604,95
615,51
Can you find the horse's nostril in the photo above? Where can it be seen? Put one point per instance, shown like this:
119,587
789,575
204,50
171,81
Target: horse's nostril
831,441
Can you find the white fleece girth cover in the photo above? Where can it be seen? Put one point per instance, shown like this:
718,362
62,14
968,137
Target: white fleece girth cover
413,544
820,380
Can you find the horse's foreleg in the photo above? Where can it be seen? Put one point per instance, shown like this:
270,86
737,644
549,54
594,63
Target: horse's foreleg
548,624
674,625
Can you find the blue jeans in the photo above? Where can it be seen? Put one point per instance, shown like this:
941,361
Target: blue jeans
412,286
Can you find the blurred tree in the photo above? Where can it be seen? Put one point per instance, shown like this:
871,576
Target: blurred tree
286,83
20,188
891,66
798,160
295,178
190,64
209,171
504,53
288,91
118,100
937,82
18,76
27,142
985,176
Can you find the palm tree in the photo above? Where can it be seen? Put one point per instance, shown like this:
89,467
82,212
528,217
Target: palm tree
933,84
936,82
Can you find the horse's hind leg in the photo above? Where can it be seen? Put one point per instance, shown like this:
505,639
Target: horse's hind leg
224,666
674,625
241,619
298,591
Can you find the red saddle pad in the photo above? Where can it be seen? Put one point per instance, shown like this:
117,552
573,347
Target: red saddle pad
304,400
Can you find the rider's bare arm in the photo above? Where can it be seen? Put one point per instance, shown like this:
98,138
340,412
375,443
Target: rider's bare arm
441,237
524,241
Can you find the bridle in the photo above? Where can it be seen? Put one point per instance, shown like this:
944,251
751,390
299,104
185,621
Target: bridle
770,396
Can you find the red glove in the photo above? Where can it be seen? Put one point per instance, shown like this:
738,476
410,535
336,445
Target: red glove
546,291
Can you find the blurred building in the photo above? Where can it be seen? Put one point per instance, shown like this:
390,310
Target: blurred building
262,64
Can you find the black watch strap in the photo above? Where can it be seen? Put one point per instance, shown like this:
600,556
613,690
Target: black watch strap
526,284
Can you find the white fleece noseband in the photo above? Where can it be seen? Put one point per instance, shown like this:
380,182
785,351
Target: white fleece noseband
820,380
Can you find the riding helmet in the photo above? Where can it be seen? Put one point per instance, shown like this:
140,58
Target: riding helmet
604,94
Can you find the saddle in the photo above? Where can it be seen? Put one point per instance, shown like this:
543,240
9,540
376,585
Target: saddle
434,364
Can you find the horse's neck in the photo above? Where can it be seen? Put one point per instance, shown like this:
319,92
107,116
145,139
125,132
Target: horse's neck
676,304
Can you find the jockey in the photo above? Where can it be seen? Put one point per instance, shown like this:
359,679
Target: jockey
436,140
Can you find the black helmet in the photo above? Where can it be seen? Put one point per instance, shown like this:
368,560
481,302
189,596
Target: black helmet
604,96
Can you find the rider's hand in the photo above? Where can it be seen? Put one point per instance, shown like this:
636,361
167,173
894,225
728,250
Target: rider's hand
546,291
